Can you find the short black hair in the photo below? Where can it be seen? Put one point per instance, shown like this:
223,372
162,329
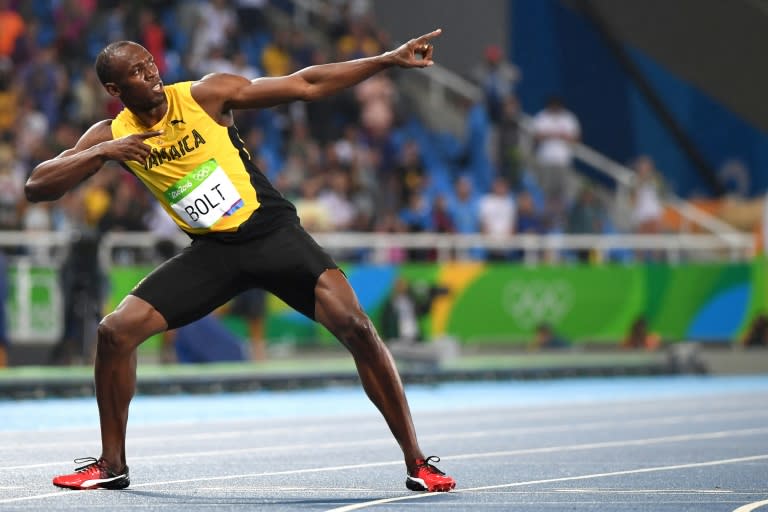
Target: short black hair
104,60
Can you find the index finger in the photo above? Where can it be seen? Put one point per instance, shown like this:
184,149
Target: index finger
430,35
149,135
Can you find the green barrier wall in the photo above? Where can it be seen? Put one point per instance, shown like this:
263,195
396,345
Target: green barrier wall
489,303
504,303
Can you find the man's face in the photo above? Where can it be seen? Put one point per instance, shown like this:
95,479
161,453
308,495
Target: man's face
136,78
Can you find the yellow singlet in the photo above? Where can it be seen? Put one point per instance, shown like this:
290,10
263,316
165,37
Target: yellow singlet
201,172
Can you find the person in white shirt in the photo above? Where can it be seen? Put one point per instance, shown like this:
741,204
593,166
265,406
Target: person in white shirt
498,215
555,129
647,208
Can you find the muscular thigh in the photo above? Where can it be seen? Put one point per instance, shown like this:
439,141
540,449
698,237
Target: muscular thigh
190,285
288,265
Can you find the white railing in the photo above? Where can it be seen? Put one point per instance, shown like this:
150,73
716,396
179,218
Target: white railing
50,248
38,304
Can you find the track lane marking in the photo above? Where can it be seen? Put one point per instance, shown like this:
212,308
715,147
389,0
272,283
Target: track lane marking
749,507
433,437
366,504
506,453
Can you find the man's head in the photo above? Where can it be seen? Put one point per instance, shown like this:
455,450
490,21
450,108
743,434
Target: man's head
128,71
555,103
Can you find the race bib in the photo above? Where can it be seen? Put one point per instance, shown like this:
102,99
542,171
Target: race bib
204,196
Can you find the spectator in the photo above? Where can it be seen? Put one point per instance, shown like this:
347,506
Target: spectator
464,207
545,338
301,51
441,216
251,306
647,209
464,210
250,15
32,127
97,194
358,42
555,129
497,77
416,214
757,333
497,214
241,66
586,216
639,337
112,25
12,26
410,174
9,98
83,285
337,200
328,118
152,36
72,19
349,148
276,57
528,220
404,309
389,223
12,178
216,27
90,98
45,82
216,61
376,97
314,214
364,190
4,341
124,212
162,226
508,145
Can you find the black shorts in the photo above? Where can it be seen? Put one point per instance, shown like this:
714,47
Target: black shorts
286,262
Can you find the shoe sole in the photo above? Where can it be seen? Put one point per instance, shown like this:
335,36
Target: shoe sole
114,485
417,484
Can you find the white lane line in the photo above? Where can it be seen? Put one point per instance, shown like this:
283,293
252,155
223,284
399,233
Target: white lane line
460,415
230,489
366,504
749,507
682,492
433,437
642,491
527,451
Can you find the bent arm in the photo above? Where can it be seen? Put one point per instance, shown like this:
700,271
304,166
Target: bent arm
49,180
222,92
219,93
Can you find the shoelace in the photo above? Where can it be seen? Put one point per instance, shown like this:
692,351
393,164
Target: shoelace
88,461
426,464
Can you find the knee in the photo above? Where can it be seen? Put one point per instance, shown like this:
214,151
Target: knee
357,332
112,337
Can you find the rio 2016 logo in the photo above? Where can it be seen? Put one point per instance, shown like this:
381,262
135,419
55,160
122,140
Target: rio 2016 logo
532,302
201,174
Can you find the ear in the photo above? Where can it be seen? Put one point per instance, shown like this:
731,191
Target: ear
112,89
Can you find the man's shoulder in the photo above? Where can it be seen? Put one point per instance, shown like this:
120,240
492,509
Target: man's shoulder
101,130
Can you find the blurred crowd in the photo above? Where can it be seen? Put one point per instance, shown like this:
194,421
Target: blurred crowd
358,161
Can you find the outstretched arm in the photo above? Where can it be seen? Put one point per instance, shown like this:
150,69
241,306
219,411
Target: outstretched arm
219,93
51,179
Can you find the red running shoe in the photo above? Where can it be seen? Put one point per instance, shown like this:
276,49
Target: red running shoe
427,477
94,475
